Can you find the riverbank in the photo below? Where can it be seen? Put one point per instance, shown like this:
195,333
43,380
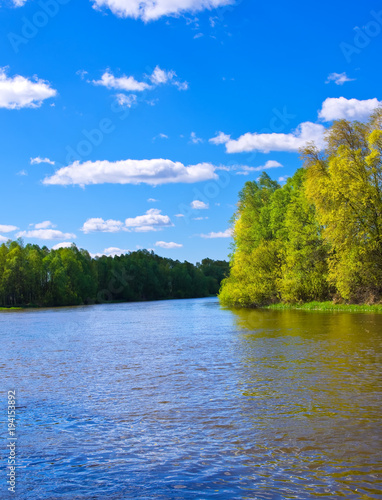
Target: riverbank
328,306
10,309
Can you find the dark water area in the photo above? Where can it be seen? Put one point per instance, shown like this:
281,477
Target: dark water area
186,400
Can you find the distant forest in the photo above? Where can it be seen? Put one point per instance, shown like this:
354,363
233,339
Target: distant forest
34,276
319,236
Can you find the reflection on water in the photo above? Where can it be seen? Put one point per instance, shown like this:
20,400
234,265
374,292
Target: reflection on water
182,399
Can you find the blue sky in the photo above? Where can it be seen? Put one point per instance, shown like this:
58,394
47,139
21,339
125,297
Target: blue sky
132,124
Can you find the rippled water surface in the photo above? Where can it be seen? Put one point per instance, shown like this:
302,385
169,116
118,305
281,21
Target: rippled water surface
184,400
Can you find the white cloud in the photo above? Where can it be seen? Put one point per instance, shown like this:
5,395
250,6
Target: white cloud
3,239
130,84
179,215
292,142
126,101
269,164
82,73
161,76
44,225
199,205
46,234
126,83
111,252
160,136
152,172
22,173
149,10
100,225
18,92
152,200
283,178
153,220
64,244
221,138
195,139
19,3
199,218
169,245
7,229
225,234
340,108
38,160
339,78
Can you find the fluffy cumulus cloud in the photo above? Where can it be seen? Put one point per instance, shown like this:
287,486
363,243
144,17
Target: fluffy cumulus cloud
126,101
152,172
332,109
221,234
103,226
111,252
199,205
38,160
19,3
339,78
265,143
64,244
7,229
221,138
46,234
126,83
129,84
161,77
19,92
340,108
3,239
152,220
44,225
168,245
149,10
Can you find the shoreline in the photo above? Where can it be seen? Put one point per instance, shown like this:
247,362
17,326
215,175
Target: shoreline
39,308
325,306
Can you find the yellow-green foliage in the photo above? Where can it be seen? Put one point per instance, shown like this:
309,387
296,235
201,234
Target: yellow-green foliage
318,236
345,185
253,278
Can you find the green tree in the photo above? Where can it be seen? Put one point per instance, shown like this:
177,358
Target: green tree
345,185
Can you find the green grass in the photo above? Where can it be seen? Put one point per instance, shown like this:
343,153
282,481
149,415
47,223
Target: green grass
10,308
328,306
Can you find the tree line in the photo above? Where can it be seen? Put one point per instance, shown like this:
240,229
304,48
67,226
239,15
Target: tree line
319,236
34,276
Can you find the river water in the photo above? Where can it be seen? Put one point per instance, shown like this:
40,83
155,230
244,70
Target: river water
186,400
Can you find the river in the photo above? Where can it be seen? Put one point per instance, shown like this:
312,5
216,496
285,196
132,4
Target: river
186,400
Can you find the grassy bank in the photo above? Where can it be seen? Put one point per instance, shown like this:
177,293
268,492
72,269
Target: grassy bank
328,306
10,308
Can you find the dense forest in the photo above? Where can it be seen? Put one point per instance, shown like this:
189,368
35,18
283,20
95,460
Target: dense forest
34,276
319,236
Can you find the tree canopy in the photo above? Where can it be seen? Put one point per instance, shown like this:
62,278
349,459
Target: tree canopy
34,276
320,235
